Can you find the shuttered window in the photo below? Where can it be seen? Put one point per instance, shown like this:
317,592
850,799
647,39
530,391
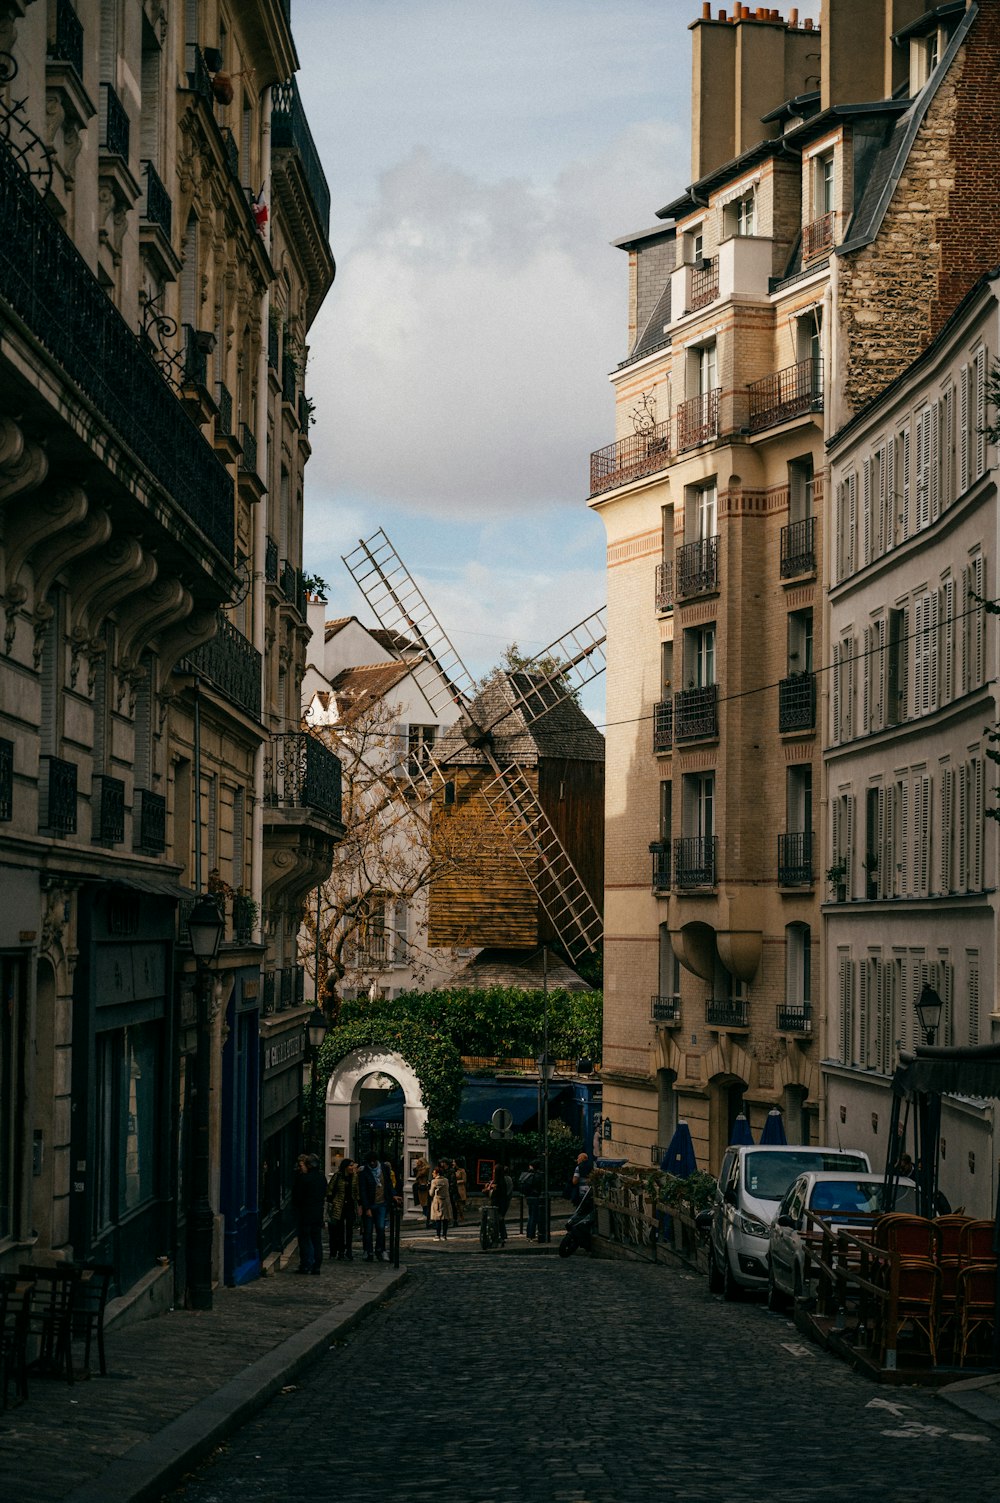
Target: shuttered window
946,856
845,968
964,448
972,991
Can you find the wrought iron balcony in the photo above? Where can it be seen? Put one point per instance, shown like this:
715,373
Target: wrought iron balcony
797,702
271,561
67,44
51,289
660,852
795,859
704,283
798,548
199,79
268,993
794,1018
291,987
817,237
150,817
305,412
696,713
232,664
665,1009
289,378
786,394
290,128
57,796
301,772
698,420
244,913
113,130
289,580
694,861
698,567
248,458
108,811
630,459
224,402
726,1012
272,346
156,208
6,780
231,151
665,586
663,725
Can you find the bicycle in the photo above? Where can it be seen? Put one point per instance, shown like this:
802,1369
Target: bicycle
489,1228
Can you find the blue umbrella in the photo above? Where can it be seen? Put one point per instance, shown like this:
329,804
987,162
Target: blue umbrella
741,1133
774,1128
679,1159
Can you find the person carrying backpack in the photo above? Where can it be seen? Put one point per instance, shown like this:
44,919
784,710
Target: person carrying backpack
531,1185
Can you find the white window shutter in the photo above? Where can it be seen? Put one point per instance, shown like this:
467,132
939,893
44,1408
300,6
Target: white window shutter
946,870
972,985
980,413
864,1009
934,461
907,515
947,447
933,655
836,697
903,789
852,521
964,391
923,469
850,690
887,852
849,807
977,621
867,513
868,669
963,828
947,633
977,811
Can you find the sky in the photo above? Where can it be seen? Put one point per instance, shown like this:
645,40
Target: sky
480,158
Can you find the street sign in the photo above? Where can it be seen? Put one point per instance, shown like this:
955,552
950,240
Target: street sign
496,1132
502,1119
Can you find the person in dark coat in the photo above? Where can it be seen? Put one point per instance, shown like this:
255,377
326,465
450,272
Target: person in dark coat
308,1202
343,1209
378,1194
531,1185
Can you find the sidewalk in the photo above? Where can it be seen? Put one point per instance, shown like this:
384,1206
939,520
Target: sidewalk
977,1396
176,1385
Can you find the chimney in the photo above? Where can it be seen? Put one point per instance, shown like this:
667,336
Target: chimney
857,53
713,62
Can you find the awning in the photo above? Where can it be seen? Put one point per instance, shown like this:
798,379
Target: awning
954,1072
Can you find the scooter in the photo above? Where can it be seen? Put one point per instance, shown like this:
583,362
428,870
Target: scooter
580,1226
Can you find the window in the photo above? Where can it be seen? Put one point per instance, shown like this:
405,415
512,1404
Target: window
699,657
12,1006
126,1121
880,841
699,805
741,216
799,799
701,515
149,119
666,668
926,609
669,980
694,244
824,184
800,489
845,995
874,676
708,369
843,693
842,846
420,745
847,525
798,966
897,644
666,809
800,641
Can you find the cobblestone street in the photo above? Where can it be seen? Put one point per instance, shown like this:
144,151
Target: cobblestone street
490,1378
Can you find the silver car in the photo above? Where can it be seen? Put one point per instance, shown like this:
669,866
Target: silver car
841,1200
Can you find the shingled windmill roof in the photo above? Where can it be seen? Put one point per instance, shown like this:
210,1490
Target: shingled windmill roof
562,730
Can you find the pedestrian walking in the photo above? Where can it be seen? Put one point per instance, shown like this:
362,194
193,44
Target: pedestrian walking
441,1209
531,1186
498,1193
378,1195
581,1178
422,1187
308,1197
343,1209
448,1166
462,1182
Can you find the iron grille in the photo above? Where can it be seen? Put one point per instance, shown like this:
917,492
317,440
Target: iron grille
243,918
630,458
726,1012
661,867
795,859
268,993
663,725
290,129
704,283
231,152
817,237
6,780
301,772
665,1010
195,356
786,394
232,664
272,346
152,822
224,402
794,1019
67,44
112,123
248,458
157,208
109,820
289,378
698,567
289,580
198,77
797,702
665,586
57,789
305,412
698,420
798,548
291,986
696,713
271,561
694,861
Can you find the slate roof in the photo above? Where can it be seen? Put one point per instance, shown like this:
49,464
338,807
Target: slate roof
562,730
365,685
515,968
654,334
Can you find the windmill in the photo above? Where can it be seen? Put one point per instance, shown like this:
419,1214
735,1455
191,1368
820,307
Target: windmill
481,750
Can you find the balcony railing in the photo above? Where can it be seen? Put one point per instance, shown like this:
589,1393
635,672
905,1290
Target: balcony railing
698,420
57,796
291,986
113,132
248,458
696,713
794,1018
197,345
797,702
289,378
271,561
300,772
665,586
272,346
224,402
108,806
726,1012
244,914
52,290
150,815
231,152
694,861
795,859
704,283
663,725
630,459
232,664
817,237
786,394
798,548
305,409
660,852
6,780
290,128
289,581
67,44
157,208
698,567
199,79
665,1009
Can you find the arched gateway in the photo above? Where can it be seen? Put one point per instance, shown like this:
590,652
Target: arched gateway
343,1108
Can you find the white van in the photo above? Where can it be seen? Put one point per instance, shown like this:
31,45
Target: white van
752,1183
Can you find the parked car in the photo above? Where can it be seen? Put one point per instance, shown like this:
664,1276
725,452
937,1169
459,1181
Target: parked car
841,1200
752,1183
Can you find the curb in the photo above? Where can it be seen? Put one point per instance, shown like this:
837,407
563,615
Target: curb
146,1471
979,1397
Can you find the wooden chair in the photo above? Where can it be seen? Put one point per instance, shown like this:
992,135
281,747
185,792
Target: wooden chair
976,1243
15,1298
88,1309
976,1299
910,1237
949,1229
50,1317
918,1300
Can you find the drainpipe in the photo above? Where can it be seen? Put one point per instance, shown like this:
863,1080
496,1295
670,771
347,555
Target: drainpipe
260,537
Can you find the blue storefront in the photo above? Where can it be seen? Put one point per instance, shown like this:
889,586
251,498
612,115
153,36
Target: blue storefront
240,1160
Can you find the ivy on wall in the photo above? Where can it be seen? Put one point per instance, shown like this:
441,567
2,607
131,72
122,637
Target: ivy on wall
431,1055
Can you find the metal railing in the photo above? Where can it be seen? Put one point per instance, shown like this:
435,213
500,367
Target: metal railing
660,851
268,993
305,408
50,287
290,128
231,152
663,725
817,237
67,44
665,586
199,79
196,346
232,664
630,458
798,548
301,772
6,779
786,394
150,822
291,987
112,118
726,1012
794,1018
704,283
108,811
698,567
224,402
665,1010
694,861
795,859
289,378
698,420
57,796
248,457
696,713
271,561
797,702
272,346
157,207
244,913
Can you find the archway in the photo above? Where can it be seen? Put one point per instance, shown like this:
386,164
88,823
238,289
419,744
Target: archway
344,1108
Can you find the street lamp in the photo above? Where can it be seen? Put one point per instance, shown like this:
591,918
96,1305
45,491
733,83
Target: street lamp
316,1030
546,1065
204,931
929,1009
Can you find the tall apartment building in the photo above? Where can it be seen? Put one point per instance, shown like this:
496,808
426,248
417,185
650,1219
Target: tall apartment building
165,248
814,256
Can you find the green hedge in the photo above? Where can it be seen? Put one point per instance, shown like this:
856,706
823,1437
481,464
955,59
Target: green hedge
431,1055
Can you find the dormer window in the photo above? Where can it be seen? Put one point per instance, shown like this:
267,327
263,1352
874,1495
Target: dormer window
694,245
925,54
741,215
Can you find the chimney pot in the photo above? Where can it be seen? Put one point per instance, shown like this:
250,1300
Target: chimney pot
706,10
807,23
793,16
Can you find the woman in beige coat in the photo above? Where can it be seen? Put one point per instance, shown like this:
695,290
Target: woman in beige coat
440,1204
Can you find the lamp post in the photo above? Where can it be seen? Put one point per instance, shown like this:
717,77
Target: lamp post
204,932
316,1030
929,1009
545,1067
